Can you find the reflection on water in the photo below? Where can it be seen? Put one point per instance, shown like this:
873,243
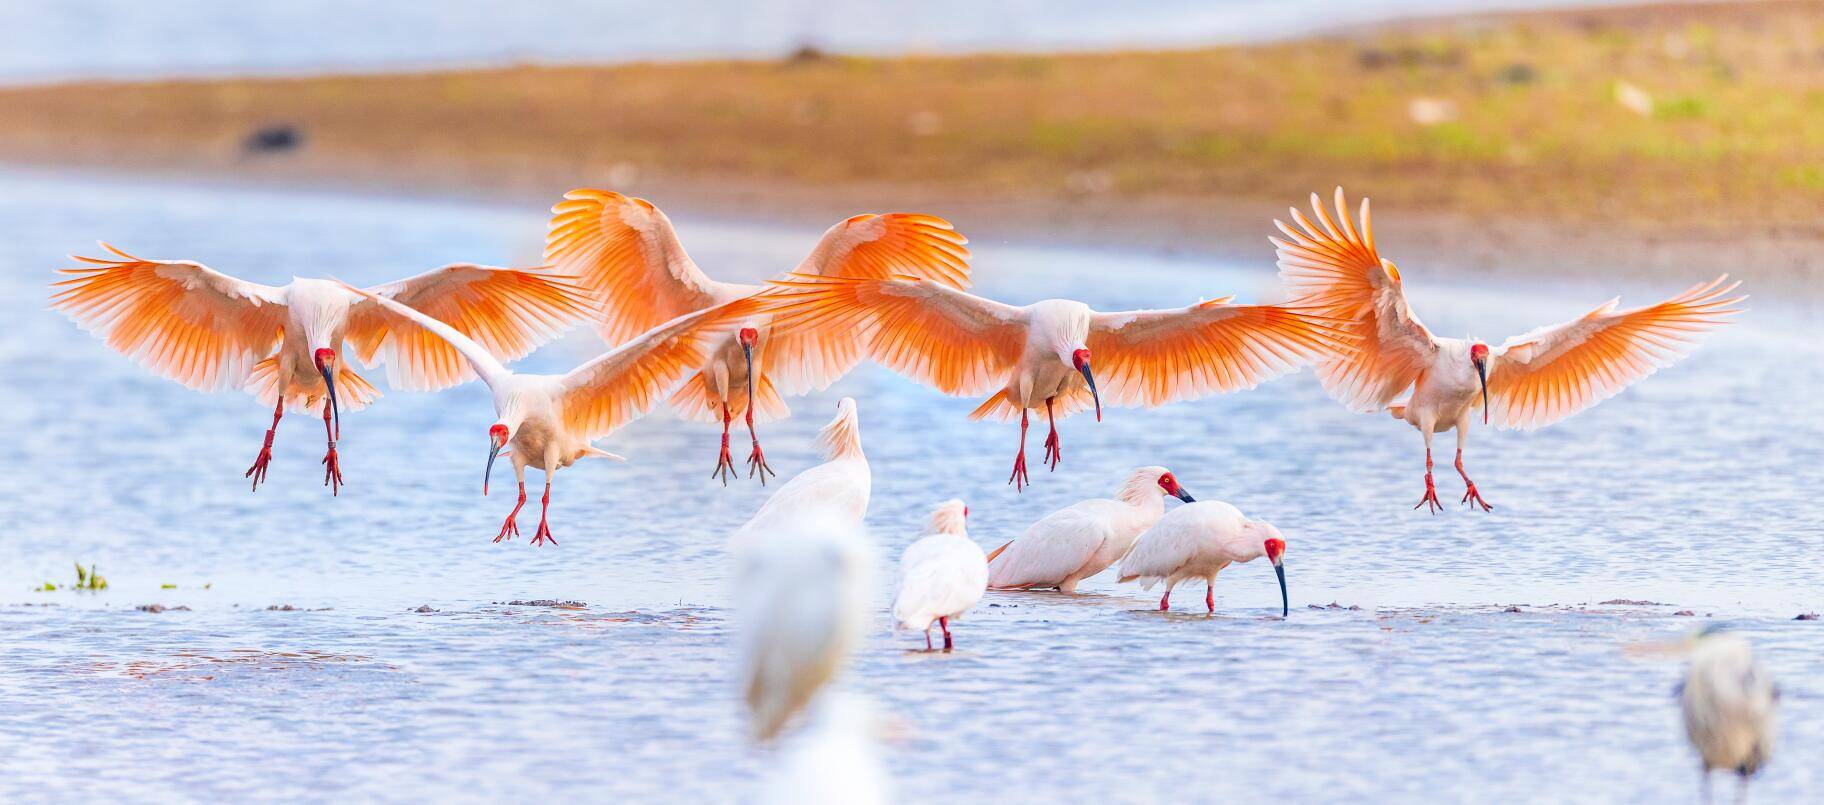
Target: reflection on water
419,657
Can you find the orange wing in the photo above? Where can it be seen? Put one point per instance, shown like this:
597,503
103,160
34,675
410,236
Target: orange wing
626,382
1554,372
959,343
625,251
196,326
1335,272
508,311
1152,357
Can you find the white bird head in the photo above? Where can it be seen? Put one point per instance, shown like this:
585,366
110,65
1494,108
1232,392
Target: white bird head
1145,482
842,437
950,517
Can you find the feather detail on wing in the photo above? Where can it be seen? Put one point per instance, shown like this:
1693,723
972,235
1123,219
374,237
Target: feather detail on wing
353,392
695,401
958,343
1553,372
177,318
1335,272
624,250
624,383
1000,407
508,311
1152,357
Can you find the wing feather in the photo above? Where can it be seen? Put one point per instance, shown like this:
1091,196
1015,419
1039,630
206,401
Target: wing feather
625,251
1152,357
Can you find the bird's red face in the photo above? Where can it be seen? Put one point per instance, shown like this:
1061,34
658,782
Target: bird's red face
965,512
1478,355
1276,551
1169,483
749,337
1080,359
1275,548
497,438
325,359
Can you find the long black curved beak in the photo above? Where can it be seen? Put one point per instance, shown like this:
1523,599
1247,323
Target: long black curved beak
1090,378
1285,603
1184,496
335,410
493,450
747,353
1482,375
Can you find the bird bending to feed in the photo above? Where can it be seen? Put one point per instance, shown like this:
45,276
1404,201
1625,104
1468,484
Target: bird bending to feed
550,420
1084,538
838,487
1038,357
804,601
284,344
1728,702
1196,541
942,575
836,759
1531,381
626,251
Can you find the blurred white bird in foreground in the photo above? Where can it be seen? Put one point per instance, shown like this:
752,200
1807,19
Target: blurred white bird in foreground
836,760
942,575
1531,381
1196,541
838,487
1728,702
283,344
1084,538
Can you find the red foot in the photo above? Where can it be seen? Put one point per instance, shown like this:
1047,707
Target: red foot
510,528
1431,496
1165,601
258,471
1474,498
543,534
332,470
945,624
927,638
725,463
1019,478
756,462
1053,452
1209,599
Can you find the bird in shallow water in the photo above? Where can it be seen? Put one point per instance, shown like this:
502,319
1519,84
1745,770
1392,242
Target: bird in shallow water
1531,381
550,420
625,250
942,575
1057,355
1196,541
285,344
1728,702
1084,538
839,487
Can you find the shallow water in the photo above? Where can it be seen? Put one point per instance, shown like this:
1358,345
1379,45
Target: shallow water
1693,489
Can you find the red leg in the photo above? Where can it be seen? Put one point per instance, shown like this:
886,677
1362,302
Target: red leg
756,461
1470,495
1209,598
332,468
1054,452
258,471
1431,490
1019,478
543,534
725,463
510,529
944,623
927,637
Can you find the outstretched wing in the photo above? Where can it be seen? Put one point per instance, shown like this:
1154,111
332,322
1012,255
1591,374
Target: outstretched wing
1152,357
956,342
621,385
1556,371
624,250
508,311
181,319
1334,270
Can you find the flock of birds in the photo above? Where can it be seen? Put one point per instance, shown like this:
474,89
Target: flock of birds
892,288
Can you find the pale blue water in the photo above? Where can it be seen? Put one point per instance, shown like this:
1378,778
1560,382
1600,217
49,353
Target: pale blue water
1696,488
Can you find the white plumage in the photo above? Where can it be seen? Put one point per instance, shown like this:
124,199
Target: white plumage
942,575
1728,702
1196,541
836,761
838,487
1083,539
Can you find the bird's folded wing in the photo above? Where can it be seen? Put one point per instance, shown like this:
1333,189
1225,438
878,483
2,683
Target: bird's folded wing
508,311
626,382
1152,357
870,246
959,343
1553,372
180,319
481,361
624,250
1334,269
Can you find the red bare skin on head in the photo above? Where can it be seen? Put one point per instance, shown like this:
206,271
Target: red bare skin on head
965,512
1168,483
324,357
1080,358
1478,353
498,433
1275,547
749,336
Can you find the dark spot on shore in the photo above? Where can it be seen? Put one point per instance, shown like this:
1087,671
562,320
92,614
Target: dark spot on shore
1335,605
161,608
273,139
1630,602
423,608
1685,613
807,54
542,602
1511,609
1517,73
1408,56
1807,616
281,608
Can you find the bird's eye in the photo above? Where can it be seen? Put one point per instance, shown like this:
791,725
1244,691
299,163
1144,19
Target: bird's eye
1166,480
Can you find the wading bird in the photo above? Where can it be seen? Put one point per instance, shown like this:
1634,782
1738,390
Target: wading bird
1531,381
1728,702
839,487
1084,538
626,251
1037,357
550,420
942,575
1196,541
210,331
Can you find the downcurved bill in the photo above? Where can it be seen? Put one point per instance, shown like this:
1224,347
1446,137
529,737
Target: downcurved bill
488,474
1090,378
1184,496
1482,375
1285,603
747,353
335,411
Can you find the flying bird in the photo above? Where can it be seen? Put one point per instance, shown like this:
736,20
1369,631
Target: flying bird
1531,381
839,487
1728,702
1038,357
1196,541
625,250
942,575
1084,538
284,344
551,420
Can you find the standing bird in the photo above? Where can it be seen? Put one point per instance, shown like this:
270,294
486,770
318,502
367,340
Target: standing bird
1531,381
942,575
1728,702
839,487
1198,540
836,760
1038,356
550,420
210,331
1084,538
626,251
